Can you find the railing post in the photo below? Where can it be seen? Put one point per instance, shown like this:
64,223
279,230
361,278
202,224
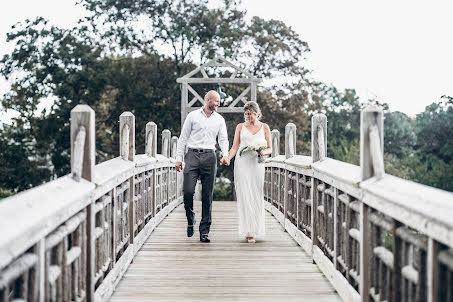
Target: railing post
290,151
275,134
127,152
166,137
174,144
371,164
83,144
127,136
151,139
432,270
290,140
371,142
82,166
318,137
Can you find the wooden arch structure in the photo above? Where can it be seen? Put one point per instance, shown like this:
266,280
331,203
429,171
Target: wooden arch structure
200,76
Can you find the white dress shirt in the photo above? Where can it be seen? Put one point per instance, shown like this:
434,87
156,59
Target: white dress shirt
200,132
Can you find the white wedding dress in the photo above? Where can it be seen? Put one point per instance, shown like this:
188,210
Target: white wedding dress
249,182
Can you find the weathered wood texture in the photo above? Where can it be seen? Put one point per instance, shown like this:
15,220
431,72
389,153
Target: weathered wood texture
127,136
71,239
376,237
290,140
82,142
200,76
319,137
166,141
172,267
151,139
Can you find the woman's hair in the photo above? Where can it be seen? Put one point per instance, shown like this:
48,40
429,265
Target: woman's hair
253,107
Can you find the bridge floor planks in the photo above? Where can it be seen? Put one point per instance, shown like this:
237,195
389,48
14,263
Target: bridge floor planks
172,267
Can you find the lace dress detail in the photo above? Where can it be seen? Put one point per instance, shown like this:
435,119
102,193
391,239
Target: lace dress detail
249,182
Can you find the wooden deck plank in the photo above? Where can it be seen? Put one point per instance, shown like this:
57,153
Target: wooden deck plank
172,267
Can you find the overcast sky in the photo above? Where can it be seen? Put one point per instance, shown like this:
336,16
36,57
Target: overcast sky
400,52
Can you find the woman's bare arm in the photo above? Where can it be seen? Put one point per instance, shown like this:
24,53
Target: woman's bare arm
236,142
267,136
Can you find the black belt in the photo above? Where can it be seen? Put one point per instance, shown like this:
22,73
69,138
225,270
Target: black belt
201,150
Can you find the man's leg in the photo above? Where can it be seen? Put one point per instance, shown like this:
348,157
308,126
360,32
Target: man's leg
191,171
208,169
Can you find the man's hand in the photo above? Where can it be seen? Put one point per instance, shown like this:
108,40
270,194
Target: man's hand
178,166
225,160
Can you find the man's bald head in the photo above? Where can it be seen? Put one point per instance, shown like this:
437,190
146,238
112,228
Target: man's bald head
211,100
211,94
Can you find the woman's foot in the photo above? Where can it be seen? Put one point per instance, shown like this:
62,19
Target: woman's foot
251,240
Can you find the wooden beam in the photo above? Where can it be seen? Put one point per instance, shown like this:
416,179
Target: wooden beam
196,70
127,123
222,109
192,102
82,117
203,72
219,80
195,94
318,121
184,100
240,97
237,68
253,92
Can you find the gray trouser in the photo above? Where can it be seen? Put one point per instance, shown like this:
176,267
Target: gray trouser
203,165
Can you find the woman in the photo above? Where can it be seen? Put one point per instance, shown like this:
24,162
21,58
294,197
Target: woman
249,174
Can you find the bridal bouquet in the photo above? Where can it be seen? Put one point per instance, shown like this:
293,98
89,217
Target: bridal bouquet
256,145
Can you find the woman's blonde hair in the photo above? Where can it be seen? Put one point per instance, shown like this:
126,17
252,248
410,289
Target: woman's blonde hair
253,107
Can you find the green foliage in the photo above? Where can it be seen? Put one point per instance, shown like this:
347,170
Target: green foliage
434,127
117,59
22,164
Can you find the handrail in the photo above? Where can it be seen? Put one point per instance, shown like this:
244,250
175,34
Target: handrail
369,232
330,212
73,238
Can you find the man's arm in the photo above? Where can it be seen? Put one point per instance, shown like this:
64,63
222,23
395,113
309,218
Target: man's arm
223,142
182,141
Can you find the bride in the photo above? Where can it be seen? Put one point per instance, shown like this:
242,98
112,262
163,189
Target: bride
249,173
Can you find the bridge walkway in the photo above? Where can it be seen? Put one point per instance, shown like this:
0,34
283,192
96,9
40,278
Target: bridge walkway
173,267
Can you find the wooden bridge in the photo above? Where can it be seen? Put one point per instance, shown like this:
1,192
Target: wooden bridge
116,230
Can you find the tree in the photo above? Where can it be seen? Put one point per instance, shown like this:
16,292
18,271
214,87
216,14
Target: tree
399,134
433,128
118,67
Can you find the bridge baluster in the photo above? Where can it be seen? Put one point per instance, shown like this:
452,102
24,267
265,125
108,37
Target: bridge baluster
275,134
82,121
318,137
151,139
371,119
290,140
166,141
127,136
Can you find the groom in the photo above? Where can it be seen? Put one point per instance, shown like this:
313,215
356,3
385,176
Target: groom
199,133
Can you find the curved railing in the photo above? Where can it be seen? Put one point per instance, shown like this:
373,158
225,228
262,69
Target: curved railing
376,237
73,238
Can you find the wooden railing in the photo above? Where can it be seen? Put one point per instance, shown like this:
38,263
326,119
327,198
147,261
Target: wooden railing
375,236
73,238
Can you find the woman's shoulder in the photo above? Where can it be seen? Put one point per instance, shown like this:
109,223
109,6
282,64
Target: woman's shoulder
265,126
239,126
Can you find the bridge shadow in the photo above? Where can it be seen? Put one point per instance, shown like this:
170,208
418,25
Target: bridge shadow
173,267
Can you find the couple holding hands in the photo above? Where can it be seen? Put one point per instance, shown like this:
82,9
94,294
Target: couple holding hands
252,139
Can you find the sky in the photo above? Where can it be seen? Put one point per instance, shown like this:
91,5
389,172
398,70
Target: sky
400,52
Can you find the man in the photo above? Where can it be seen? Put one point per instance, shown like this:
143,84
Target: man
199,133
